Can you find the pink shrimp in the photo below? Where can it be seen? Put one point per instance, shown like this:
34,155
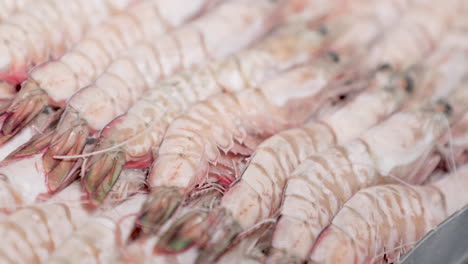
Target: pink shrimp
386,221
53,83
100,239
46,29
285,48
397,147
127,77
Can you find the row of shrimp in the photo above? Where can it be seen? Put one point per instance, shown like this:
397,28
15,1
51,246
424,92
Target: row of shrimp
254,126
197,154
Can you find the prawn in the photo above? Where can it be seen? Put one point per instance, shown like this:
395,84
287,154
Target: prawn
320,185
51,84
289,46
89,110
386,221
46,29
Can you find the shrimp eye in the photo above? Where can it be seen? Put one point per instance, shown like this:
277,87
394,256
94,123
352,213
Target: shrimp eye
334,56
409,84
48,110
446,107
323,30
384,67
90,140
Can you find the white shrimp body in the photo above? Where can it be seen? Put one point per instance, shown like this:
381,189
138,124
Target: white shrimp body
100,239
388,220
46,29
9,7
397,148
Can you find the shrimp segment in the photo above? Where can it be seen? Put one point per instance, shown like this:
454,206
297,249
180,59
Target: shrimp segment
53,83
46,29
388,220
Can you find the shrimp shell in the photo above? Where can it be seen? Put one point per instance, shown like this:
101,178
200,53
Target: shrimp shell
46,29
388,220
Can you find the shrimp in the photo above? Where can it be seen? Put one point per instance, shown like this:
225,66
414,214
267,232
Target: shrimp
9,7
386,221
320,185
53,83
289,46
89,110
100,239
46,29
244,201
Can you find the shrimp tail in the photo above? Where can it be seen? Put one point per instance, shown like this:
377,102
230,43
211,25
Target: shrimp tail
26,106
39,142
158,208
102,173
184,233
60,172
220,231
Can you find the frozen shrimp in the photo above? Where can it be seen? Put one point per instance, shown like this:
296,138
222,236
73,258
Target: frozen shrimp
215,35
292,45
395,149
53,83
381,223
100,239
45,29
